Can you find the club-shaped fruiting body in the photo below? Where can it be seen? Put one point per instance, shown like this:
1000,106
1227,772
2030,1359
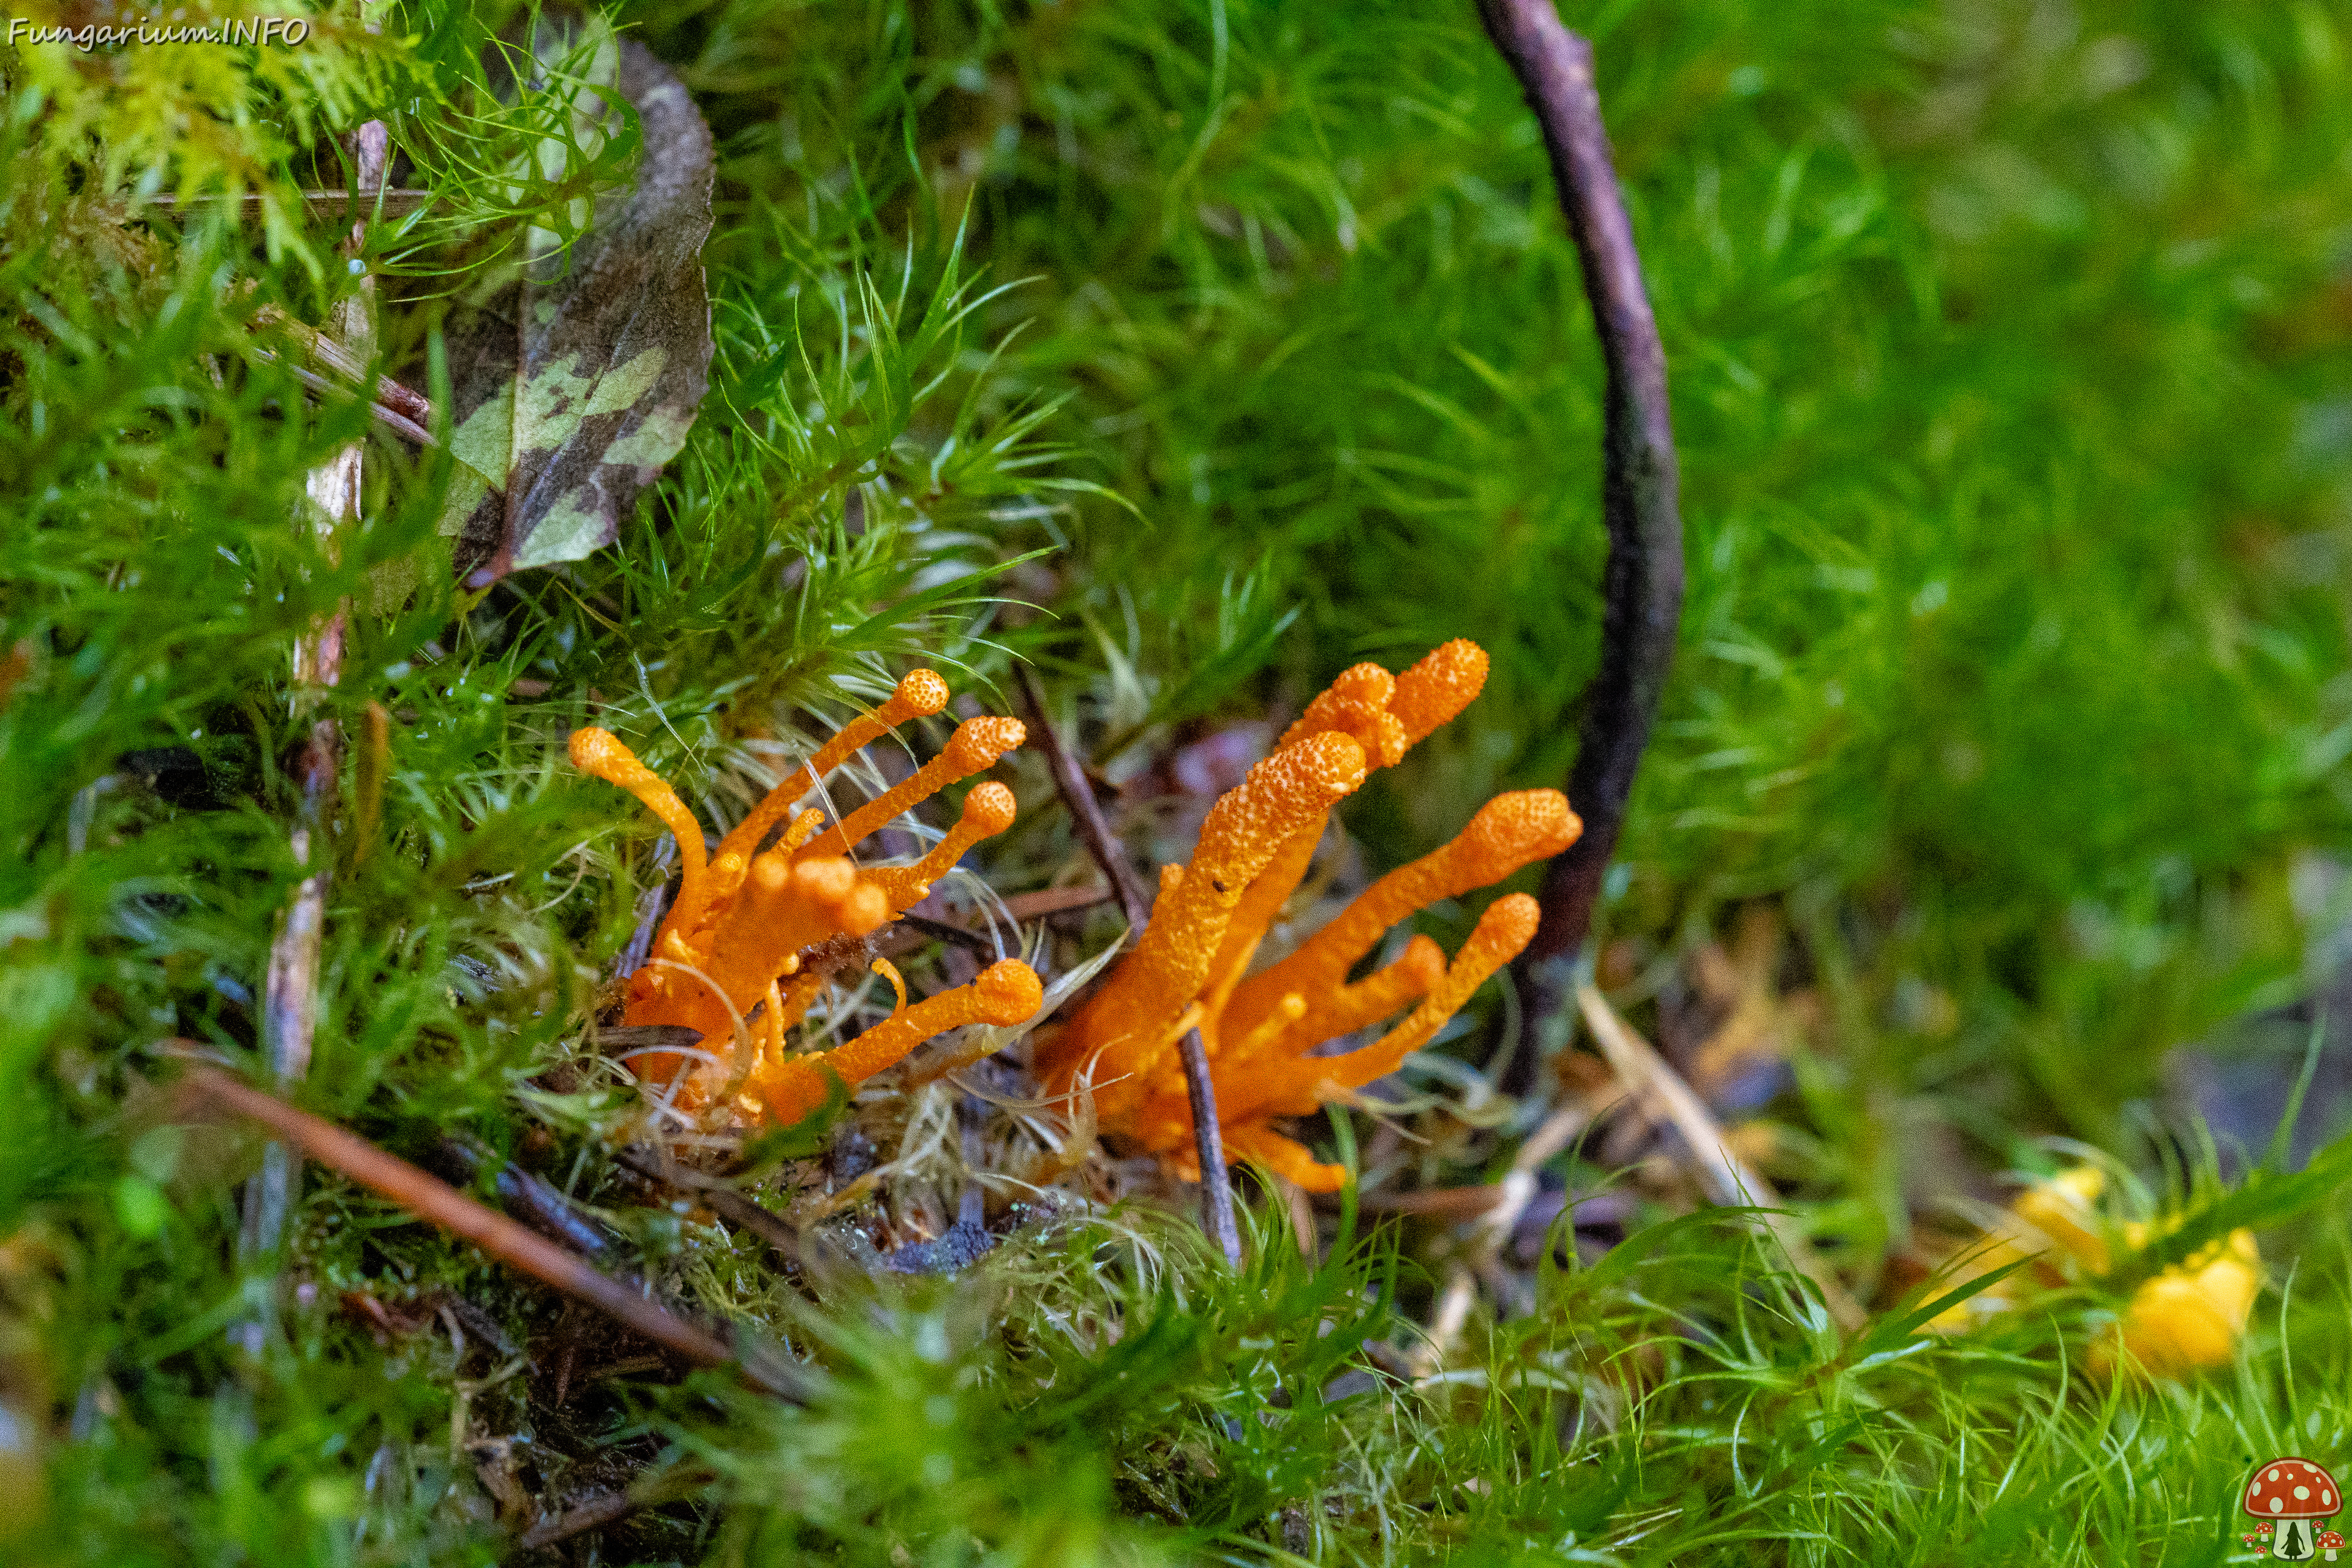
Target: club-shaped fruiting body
727,960
1188,969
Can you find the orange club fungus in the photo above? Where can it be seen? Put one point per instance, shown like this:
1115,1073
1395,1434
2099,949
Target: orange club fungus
1260,1031
728,960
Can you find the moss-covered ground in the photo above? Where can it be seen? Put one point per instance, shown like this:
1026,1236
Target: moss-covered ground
1191,350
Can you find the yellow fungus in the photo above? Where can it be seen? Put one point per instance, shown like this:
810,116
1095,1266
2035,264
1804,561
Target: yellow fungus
2177,1321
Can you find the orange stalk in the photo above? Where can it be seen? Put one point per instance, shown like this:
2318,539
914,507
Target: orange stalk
1509,832
976,744
1006,993
919,695
987,811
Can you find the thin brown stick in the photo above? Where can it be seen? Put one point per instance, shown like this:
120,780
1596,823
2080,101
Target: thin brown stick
911,931
1070,779
1728,1179
655,1164
1209,1144
1047,902
370,772
929,929
594,1514
383,411
352,369
1208,1136
203,1087
1641,587
612,1507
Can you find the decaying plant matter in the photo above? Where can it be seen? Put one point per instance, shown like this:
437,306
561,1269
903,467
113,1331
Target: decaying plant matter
729,960
1212,913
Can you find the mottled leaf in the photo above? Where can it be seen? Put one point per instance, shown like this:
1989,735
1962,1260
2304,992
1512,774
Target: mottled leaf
575,382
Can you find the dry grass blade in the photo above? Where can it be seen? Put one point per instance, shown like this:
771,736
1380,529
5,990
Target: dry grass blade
324,205
1496,1209
1646,1075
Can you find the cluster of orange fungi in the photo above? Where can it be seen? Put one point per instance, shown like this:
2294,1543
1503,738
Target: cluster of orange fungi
1189,971
727,961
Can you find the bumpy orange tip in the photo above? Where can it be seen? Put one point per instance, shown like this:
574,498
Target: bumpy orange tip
866,910
978,742
1319,770
1423,962
1512,830
988,808
593,749
1508,926
827,879
1447,679
922,693
1009,992
1356,704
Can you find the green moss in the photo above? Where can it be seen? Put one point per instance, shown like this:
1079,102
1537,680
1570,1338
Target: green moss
1242,341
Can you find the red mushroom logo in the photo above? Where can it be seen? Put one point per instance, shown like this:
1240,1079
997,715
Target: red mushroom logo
2295,1495
2331,1541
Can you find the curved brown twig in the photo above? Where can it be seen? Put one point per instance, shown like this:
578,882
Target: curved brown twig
1641,588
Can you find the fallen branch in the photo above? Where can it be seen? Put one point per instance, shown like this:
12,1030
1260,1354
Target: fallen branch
204,1087
1641,586
723,1199
1208,1138
1647,1076
540,1206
